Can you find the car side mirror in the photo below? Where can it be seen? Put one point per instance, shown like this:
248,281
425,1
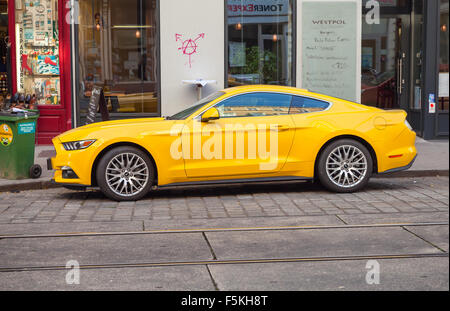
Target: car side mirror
210,114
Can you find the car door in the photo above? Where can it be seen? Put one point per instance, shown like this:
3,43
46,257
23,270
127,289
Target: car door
253,136
311,124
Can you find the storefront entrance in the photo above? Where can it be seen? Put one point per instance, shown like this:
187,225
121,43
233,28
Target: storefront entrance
396,73
40,44
386,54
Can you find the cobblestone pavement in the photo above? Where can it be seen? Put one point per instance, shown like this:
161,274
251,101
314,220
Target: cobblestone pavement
382,196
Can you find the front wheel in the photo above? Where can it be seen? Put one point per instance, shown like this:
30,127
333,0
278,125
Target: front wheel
125,174
345,166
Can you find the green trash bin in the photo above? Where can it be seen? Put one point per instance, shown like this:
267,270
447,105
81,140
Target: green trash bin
17,141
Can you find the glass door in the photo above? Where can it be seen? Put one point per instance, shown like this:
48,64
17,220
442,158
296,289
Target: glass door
443,92
415,104
385,61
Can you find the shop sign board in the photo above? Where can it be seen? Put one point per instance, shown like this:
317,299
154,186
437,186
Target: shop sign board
236,54
331,48
19,53
257,7
96,102
443,84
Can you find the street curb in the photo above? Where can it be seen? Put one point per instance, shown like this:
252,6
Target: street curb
414,173
32,185
47,184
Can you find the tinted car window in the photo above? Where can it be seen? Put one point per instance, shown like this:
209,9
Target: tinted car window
255,105
305,104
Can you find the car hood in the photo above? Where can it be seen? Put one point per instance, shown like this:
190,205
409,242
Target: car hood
122,122
84,132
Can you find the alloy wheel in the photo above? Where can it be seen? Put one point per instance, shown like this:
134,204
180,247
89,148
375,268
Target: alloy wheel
127,174
346,166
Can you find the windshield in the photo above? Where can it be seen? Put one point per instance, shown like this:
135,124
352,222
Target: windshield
187,112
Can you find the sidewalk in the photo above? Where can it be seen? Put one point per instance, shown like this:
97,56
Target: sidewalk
432,160
41,154
432,155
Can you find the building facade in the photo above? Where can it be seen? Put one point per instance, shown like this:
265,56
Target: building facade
147,54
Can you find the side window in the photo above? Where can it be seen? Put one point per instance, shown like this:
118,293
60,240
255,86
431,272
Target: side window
255,105
305,105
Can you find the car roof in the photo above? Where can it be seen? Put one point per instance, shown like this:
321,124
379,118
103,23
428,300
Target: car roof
266,88
283,89
295,91
279,89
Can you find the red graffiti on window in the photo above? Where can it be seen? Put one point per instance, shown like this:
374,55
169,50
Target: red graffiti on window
188,47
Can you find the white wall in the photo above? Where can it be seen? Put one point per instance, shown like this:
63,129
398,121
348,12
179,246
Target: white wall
190,19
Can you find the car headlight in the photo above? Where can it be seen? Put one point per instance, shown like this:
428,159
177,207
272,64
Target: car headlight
408,125
78,145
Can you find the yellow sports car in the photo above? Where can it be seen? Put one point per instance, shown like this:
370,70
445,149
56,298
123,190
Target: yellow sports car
242,134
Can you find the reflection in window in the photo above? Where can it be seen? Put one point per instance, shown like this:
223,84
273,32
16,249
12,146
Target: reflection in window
255,105
117,50
260,42
380,47
305,105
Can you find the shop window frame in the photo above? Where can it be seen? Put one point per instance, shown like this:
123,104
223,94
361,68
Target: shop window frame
116,115
294,44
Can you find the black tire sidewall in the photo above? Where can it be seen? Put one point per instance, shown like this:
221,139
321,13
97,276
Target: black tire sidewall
321,169
101,168
35,171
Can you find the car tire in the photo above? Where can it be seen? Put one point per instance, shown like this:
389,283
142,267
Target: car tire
125,174
345,166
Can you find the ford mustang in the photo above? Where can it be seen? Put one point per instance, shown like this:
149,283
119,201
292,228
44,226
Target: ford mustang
241,134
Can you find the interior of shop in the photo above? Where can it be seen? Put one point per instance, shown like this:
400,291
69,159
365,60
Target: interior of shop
37,40
117,49
4,53
260,43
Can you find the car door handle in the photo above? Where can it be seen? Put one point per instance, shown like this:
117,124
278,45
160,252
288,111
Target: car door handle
279,128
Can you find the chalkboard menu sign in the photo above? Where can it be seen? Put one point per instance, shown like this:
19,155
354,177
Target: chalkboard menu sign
330,55
97,102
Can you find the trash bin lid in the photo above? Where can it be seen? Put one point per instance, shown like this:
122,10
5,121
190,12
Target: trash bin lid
7,116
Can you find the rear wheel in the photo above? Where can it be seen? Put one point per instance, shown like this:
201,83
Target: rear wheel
125,174
345,166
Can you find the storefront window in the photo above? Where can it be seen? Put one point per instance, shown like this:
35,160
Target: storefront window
443,59
37,50
260,42
117,49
